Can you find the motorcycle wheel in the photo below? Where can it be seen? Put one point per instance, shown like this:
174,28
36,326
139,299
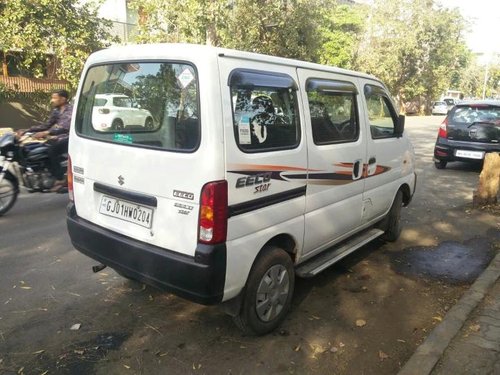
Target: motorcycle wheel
8,195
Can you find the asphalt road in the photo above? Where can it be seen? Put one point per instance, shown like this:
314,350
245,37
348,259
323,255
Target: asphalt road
46,287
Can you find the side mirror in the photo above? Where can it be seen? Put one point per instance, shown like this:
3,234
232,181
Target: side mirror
400,126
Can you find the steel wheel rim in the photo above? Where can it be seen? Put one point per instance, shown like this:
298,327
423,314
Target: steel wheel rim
272,293
6,194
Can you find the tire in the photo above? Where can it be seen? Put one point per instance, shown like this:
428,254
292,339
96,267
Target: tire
268,292
117,124
441,164
392,222
8,193
149,124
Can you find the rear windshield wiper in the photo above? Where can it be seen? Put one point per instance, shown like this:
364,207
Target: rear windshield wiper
482,122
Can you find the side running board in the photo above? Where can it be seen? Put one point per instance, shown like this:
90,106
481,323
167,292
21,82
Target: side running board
325,259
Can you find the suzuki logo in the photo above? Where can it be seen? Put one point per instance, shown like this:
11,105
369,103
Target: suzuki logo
121,180
473,132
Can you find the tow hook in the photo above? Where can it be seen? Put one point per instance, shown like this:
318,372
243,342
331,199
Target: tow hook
98,268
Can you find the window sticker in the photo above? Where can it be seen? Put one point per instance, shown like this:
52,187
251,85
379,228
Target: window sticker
185,78
123,138
244,131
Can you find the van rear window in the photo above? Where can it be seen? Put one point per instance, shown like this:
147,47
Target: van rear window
143,104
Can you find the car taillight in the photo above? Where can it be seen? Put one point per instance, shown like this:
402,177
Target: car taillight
213,213
70,180
104,111
443,129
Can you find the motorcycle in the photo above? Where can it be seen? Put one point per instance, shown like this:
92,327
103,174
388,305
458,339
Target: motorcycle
24,162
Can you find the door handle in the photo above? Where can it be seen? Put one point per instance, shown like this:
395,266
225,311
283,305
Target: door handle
372,166
356,169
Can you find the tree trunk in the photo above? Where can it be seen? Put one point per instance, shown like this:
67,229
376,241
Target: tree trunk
489,181
5,70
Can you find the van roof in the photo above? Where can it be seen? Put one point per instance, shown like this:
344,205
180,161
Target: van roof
155,51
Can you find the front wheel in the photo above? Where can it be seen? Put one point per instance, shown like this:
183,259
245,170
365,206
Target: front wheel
8,194
392,222
268,292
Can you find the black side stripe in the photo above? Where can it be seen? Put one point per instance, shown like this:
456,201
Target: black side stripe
255,204
126,195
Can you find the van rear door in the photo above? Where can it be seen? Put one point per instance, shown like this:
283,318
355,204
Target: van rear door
144,182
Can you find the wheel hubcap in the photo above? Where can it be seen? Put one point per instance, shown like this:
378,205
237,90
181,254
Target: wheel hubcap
272,293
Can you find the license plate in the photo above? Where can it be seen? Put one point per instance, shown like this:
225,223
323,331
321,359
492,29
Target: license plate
469,154
127,211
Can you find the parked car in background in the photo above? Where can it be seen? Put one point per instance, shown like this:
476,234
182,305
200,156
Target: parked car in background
450,103
116,111
439,108
470,130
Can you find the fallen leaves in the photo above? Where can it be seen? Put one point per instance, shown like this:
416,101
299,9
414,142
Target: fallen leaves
360,323
75,327
475,327
382,355
297,348
438,318
38,352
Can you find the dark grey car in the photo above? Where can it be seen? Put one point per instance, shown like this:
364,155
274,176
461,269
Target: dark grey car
470,130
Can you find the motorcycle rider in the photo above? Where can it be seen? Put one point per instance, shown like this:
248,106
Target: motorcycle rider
56,132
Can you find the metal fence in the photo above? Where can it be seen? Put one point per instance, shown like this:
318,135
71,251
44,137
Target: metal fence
26,85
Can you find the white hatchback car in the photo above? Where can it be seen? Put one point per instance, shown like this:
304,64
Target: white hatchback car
116,111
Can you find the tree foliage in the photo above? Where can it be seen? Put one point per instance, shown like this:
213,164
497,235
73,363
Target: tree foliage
282,28
415,46
341,30
38,27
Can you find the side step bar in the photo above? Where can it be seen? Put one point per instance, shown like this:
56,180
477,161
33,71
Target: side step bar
325,259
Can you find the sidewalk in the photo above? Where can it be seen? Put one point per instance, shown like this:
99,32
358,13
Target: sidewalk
476,348
467,341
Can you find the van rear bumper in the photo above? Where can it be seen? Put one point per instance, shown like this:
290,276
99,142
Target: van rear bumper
199,279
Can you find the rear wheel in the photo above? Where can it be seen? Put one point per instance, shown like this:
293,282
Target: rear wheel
268,293
149,124
392,222
441,164
8,194
117,124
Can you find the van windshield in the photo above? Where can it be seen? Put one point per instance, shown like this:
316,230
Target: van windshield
152,105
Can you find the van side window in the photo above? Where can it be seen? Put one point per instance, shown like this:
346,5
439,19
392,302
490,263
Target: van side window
381,113
333,111
265,111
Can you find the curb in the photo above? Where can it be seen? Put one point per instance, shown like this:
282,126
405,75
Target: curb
427,355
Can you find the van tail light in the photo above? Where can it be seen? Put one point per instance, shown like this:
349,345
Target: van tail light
443,129
70,180
213,213
104,111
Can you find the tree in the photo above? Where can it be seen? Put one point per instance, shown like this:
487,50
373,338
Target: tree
284,28
189,21
341,32
39,27
415,47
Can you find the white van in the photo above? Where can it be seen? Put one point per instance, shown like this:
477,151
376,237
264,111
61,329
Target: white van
258,169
